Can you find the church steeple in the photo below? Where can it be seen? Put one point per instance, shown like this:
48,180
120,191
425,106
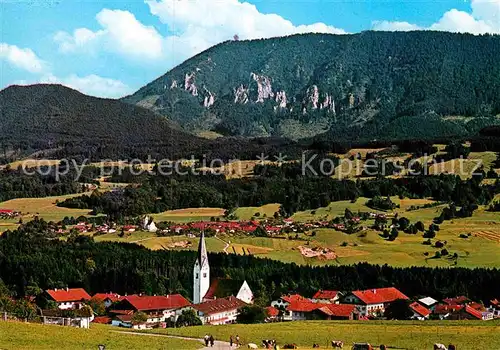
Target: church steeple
202,251
201,272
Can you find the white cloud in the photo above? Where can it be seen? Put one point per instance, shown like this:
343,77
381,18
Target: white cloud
485,18
462,22
199,24
92,85
194,26
121,32
394,26
24,59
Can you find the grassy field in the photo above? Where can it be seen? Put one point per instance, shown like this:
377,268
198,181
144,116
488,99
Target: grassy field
479,250
42,207
246,213
19,336
408,335
189,214
152,241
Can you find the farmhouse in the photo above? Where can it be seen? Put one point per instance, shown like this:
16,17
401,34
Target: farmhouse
338,312
68,298
219,311
157,308
420,312
495,308
373,301
272,314
108,298
461,300
428,302
285,300
444,311
326,296
300,309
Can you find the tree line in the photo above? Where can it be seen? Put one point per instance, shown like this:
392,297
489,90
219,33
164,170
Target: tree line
31,260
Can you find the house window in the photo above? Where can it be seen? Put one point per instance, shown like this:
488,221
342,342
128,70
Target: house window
204,275
197,276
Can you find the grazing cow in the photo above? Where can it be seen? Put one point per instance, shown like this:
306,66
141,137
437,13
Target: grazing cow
452,347
290,346
337,344
439,346
268,343
252,346
315,346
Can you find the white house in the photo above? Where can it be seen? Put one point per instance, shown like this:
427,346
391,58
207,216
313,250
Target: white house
108,298
158,309
326,296
373,301
285,300
420,312
219,311
428,302
68,298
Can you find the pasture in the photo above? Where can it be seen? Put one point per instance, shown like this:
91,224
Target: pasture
479,249
189,214
247,213
470,335
24,336
45,208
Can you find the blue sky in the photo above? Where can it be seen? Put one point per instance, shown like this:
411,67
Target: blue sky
111,48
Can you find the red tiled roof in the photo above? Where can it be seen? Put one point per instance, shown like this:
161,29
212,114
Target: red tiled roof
6,211
169,302
219,305
473,312
338,310
121,312
445,309
303,306
272,311
67,295
111,296
325,294
420,309
456,301
293,297
125,318
380,295
102,320
495,302
476,306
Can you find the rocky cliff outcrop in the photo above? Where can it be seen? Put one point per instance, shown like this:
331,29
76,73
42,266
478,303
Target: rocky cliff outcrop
264,87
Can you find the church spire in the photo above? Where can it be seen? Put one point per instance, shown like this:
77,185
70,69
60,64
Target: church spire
202,251
201,272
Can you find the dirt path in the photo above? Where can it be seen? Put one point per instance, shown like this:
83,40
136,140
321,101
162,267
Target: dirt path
227,244
218,345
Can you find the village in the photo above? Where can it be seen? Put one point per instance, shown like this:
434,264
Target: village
220,301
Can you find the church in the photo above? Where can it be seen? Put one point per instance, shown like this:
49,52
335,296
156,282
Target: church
204,291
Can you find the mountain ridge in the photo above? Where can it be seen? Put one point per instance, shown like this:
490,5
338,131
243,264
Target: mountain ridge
41,116
304,85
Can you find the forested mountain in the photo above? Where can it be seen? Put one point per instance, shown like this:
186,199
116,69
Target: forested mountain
58,122
383,85
40,117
